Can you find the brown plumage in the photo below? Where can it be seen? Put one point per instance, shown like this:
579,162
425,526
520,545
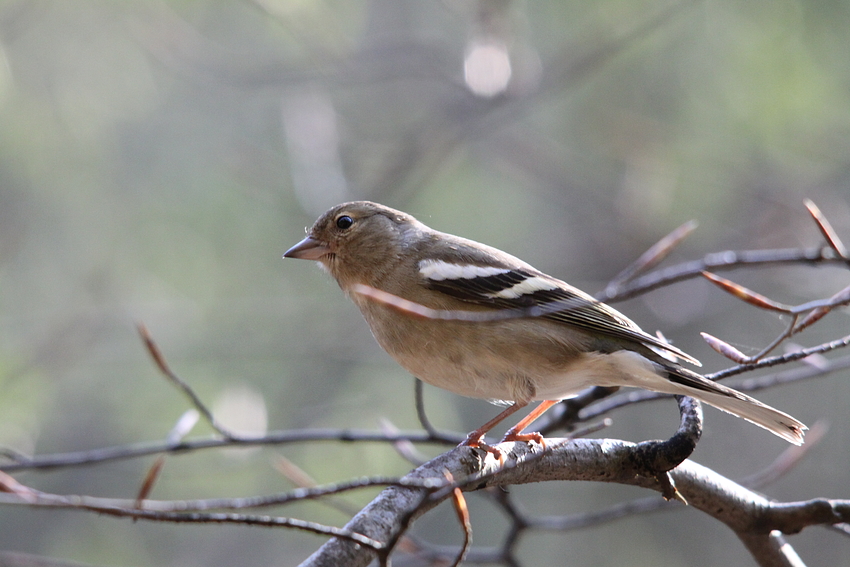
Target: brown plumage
567,341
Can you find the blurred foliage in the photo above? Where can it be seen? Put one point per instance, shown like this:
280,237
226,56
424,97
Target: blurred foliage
156,159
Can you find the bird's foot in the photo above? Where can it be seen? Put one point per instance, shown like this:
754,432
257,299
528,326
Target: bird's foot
515,436
476,441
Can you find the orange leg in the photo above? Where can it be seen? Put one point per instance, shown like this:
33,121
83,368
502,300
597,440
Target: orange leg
474,438
515,433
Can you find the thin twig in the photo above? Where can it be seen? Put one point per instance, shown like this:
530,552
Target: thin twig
183,426
462,511
598,408
745,294
135,450
149,480
818,309
826,230
403,447
722,347
19,494
419,394
100,506
166,371
840,298
297,476
783,359
722,261
787,459
652,257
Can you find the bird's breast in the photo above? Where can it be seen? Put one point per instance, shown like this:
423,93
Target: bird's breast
511,360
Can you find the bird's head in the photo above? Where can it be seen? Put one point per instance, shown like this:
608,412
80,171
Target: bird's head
356,241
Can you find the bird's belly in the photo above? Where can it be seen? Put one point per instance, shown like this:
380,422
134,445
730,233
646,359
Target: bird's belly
475,375
507,361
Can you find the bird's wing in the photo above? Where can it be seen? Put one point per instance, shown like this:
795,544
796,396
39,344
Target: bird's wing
522,288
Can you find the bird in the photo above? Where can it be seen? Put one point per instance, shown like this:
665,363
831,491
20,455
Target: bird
474,320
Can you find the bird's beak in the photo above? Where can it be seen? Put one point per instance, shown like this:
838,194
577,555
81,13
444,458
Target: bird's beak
308,249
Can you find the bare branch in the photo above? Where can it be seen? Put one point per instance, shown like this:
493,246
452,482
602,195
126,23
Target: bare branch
419,394
826,229
783,359
566,414
745,294
652,257
135,450
301,479
727,350
840,298
104,506
403,447
15,559
166,371
722,261
787,459
605,460
663,456
150,480
771,549
463,517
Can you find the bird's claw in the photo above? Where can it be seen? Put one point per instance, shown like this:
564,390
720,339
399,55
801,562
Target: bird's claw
515,436
477,442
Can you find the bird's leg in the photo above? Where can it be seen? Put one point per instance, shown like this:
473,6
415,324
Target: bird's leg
474,439
515,433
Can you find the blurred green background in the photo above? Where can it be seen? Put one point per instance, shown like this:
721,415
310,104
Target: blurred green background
157,158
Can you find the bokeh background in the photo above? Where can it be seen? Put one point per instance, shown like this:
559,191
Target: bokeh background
157,158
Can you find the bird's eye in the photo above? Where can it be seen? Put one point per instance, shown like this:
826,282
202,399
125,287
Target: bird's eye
344,222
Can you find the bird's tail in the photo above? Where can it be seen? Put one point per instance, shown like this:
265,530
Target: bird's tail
685,382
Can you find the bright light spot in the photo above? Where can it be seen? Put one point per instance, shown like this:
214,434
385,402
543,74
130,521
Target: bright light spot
242,410
487,67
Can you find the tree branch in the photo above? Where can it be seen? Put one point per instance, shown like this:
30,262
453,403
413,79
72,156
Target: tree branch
751,516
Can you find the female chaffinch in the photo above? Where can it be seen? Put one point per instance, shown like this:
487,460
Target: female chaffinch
479,322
